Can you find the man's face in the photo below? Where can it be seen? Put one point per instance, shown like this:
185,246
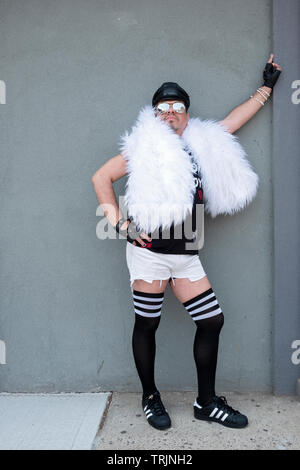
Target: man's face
177,121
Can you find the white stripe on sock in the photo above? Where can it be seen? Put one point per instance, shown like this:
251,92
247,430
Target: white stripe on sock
151,299
200,309
200,301
145,314
208,315
140,304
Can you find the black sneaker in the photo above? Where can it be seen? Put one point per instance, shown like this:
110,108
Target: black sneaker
217,409
155,411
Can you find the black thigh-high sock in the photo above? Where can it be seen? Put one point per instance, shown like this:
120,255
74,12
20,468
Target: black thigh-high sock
147,317
209,319
205,351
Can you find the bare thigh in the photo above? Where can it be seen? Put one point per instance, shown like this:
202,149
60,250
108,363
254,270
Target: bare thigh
184,289
143,286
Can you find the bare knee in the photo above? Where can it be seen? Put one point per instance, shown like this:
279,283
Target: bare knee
153,286
202,283
184,289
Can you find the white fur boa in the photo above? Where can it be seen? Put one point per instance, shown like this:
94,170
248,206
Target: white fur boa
160,185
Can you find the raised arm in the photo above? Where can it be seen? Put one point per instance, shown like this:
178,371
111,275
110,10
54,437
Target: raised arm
245,111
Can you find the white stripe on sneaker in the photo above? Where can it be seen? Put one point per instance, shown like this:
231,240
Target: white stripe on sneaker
224,417
219,414
213,412
197,404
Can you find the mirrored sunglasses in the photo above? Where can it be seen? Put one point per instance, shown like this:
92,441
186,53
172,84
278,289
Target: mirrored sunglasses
164,107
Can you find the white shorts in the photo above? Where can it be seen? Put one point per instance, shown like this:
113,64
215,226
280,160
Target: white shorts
150,266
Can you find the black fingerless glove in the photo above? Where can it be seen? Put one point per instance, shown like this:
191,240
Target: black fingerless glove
270,75
131,232
118,225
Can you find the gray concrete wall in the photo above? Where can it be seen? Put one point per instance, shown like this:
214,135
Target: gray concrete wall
76,74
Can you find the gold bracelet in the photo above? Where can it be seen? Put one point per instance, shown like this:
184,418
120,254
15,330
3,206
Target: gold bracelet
261,93
257,100
260,88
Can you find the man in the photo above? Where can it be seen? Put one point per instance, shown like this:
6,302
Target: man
175,164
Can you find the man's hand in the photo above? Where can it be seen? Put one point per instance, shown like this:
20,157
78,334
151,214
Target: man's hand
271,73
134,235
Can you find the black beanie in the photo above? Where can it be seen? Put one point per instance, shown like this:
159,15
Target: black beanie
169,91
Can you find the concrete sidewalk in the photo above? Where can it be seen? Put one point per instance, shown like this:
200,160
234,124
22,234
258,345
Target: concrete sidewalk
274,423
115,421
64,421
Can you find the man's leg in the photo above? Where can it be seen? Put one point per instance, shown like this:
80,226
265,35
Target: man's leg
202,305
199,300
148,299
